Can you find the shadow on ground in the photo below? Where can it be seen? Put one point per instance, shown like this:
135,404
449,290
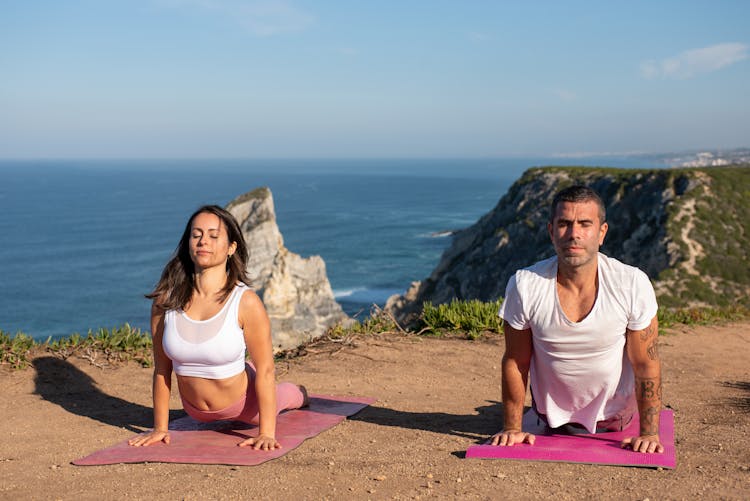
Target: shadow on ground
61,383
742,403
480,426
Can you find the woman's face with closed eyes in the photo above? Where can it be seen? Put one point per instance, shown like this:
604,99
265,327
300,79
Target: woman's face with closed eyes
209,242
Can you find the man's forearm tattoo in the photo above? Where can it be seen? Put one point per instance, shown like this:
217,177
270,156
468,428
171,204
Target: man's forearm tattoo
650,421
653,350
648,389
648,332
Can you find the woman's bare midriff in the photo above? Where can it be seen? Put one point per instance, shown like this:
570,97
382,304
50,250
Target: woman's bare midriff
212,394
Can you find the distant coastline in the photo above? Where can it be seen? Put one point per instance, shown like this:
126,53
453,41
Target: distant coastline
705,158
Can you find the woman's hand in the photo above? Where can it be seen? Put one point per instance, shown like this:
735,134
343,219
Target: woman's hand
149,438
261,442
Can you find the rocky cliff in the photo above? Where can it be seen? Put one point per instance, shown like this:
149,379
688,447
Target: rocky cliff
295,290
688,229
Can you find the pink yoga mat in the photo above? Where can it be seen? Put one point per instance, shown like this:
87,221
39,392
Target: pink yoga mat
601,448
216,443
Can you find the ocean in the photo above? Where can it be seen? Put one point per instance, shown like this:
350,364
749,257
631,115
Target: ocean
84,240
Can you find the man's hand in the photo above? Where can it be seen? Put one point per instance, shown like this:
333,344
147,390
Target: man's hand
644,443
511,437
262,442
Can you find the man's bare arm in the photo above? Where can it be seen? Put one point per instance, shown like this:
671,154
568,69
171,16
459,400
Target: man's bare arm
515,370
643,353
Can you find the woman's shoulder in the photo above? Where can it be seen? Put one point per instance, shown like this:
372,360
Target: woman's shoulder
242,288
251,309
247,295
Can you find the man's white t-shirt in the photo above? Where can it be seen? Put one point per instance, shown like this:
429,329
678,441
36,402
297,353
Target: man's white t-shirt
579,371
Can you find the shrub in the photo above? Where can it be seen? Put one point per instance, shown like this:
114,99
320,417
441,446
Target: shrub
116,344
471,317
701,316
15,350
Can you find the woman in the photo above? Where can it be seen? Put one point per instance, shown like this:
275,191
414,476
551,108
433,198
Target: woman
203,318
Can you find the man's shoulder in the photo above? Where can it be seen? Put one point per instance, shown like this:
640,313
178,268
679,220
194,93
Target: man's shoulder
541,270
621,275
634,289
541,266
613,265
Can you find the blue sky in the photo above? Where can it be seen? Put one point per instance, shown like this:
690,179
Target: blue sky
272,78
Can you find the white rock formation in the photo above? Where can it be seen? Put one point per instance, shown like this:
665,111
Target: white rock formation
295,290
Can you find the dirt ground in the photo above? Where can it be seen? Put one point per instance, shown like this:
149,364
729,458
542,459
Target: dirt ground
436,397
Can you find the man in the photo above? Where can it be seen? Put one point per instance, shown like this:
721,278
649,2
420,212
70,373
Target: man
584,327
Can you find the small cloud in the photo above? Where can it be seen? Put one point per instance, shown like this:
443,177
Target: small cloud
694,62
476,36
347,51
565,95
261,18
649,69
273,17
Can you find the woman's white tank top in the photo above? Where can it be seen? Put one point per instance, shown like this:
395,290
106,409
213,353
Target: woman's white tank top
212,348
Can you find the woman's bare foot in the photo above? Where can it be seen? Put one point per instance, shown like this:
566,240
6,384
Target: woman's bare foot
305,398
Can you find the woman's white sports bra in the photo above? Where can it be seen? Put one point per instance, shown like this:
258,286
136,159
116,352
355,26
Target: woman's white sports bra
211,349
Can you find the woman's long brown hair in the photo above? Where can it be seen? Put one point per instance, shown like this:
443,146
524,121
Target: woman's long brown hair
177,283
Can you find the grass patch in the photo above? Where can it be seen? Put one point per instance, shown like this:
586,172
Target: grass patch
471,317
15,351
98,347
378,322
702,316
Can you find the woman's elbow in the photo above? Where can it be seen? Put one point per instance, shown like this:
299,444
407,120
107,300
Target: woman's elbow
265,373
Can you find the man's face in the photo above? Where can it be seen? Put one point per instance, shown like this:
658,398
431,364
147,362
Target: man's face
576,232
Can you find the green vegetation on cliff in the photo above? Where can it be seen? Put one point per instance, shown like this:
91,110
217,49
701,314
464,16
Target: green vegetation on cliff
716,221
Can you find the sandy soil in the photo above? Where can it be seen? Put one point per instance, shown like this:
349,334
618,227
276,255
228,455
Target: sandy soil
436,397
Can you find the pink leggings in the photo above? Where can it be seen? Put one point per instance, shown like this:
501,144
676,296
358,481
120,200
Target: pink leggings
288,396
